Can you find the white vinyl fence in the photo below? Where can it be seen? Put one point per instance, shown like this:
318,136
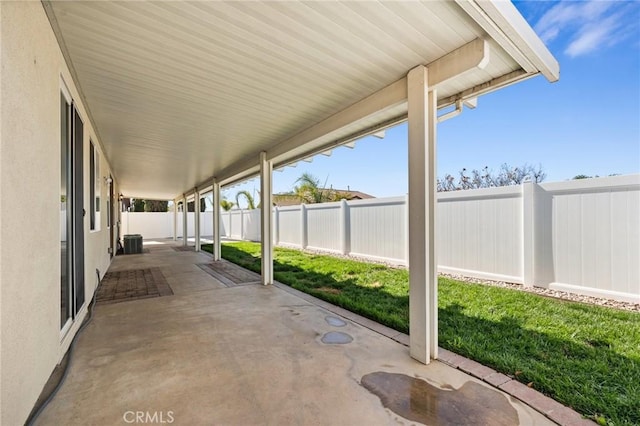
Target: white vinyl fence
581,236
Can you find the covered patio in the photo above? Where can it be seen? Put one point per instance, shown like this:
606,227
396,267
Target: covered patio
171,100
190,97
217,353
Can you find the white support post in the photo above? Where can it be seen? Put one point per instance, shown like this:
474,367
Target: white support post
216,220
175,220
184,220
266,218
304,240
345,232
423,284
196,219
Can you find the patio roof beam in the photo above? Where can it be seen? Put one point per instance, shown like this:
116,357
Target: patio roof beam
351,138
393,95
505,25
317,138
239,172
472,55
489,86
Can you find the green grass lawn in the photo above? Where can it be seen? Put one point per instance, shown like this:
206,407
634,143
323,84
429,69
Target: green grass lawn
586,357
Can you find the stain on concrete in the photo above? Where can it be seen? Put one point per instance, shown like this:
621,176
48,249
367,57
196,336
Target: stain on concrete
101,360
336,338
417,400
334,321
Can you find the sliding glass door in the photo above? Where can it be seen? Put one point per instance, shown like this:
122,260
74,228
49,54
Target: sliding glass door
66,224
71,212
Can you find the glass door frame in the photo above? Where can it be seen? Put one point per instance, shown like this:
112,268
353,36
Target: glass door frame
66,172
73,170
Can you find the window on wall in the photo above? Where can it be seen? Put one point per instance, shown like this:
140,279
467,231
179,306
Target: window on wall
94,187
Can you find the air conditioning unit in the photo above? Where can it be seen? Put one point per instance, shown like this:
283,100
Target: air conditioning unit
133,244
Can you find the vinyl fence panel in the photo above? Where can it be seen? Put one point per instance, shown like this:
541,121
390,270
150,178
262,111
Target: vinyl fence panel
596,236
323,226
237,224
225,224
377,228
289,224
251,225
580,236
479,232
148,224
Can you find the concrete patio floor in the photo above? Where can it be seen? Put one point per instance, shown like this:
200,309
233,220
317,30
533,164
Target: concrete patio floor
251,355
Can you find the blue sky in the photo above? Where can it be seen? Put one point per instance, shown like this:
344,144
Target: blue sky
587,123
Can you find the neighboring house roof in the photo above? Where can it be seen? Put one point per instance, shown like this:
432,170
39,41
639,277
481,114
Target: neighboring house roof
282,200
354,195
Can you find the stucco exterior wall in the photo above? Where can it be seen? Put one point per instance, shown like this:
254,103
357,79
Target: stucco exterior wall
1,205
32,66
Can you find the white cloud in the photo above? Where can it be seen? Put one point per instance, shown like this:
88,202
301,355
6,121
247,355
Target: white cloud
592,36
548,27
587,41
588,25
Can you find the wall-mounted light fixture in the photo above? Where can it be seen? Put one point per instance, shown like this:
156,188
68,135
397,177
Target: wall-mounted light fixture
108,180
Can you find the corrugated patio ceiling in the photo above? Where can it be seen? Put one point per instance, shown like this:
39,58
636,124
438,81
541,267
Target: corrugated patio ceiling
183,91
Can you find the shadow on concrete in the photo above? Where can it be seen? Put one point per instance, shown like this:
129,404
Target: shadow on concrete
346,293
586,372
